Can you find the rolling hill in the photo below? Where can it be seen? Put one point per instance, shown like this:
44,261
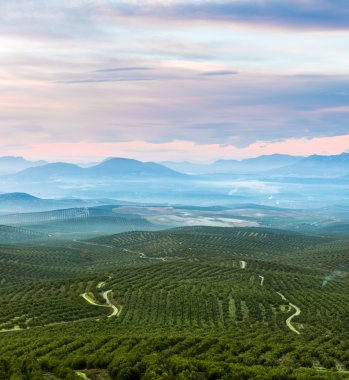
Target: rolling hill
112,168
318,166
25,203
78,223
14,235
245,166
116,167
270,165
188,303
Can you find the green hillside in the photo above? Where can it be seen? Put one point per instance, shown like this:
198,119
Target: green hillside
70,224
188,303
12,235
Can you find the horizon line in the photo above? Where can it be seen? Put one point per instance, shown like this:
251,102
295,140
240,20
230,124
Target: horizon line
198,162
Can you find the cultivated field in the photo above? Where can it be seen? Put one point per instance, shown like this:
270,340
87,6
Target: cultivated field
186,303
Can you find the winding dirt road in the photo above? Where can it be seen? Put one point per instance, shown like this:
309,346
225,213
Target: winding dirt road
87,297
282,296
289,319
82,375
115,309
262,279
90,300
295,314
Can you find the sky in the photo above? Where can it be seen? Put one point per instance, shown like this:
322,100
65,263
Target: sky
194,80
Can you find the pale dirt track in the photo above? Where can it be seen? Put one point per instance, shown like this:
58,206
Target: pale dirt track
90,300
262,280
295,314
82,375
289,319
115,309
87,298
105,295
282,296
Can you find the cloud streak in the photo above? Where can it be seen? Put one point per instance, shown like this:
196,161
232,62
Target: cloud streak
181,150
293,14
118,69
45,16
220,72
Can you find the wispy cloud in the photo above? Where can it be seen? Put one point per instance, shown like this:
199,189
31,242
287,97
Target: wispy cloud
220,72
104,80
83,17
117,69
294,14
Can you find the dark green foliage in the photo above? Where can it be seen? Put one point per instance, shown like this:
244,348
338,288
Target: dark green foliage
188,307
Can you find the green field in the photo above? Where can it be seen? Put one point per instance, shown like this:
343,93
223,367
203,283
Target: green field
188,303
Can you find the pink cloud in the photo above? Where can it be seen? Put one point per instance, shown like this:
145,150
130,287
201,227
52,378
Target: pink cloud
180,150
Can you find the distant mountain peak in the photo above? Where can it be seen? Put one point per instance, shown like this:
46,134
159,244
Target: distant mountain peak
129,166
17,196
318,165
113,167
14,164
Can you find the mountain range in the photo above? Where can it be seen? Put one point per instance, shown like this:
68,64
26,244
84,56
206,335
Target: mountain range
112,168
245,166
18,168
273,165
10,164
265,179
318,166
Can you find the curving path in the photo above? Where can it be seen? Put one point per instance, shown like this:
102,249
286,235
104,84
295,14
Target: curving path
289,319
110,304
105,294
82,375
295,314
296,308
282,296
262,279
87,298
90,300
16,328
